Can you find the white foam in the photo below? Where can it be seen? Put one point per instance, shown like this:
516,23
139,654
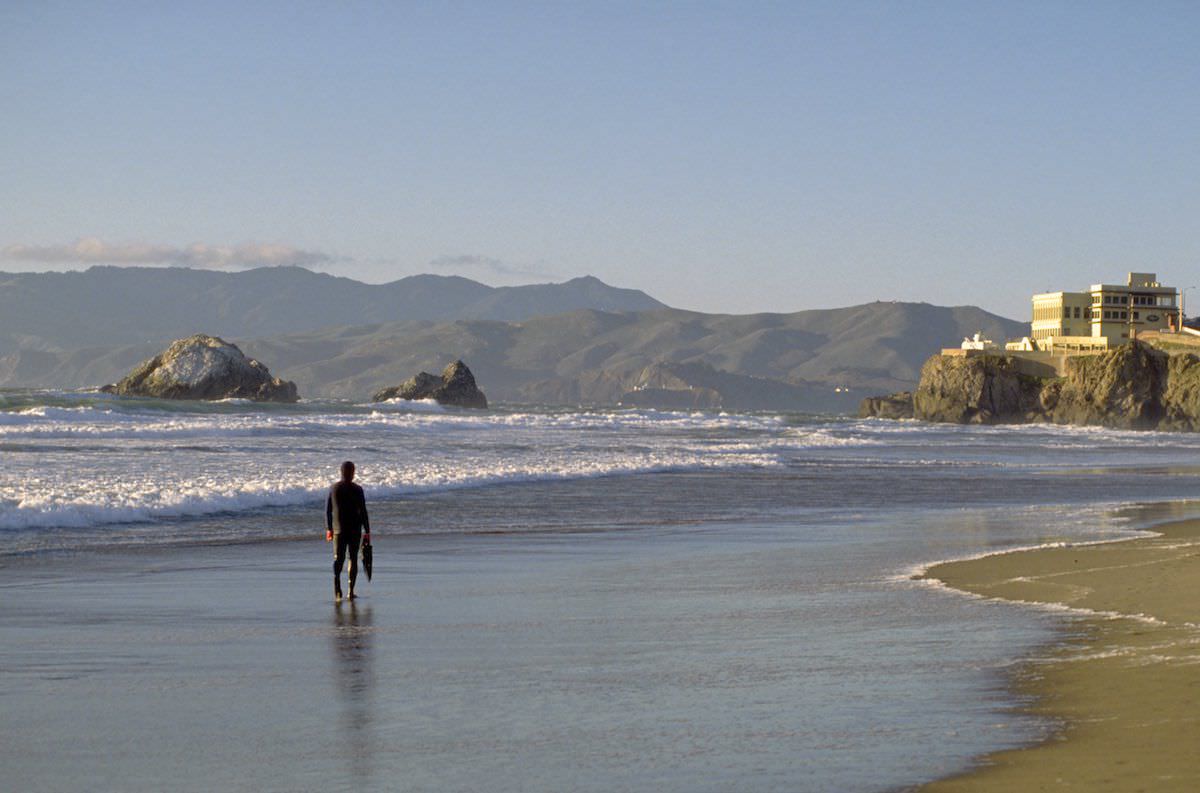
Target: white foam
918,575
63,422
410,404
103,499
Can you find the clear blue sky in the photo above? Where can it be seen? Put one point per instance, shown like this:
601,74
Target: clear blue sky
722,156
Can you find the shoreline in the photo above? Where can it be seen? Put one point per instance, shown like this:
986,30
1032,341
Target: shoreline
655,659
1123,685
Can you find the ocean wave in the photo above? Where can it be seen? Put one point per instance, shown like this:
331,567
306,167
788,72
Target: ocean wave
830,438
409,404
1068,436
81,502
72,422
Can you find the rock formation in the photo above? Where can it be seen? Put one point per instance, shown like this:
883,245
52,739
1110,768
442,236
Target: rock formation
894,406
455,387
1132,387
1181,399
204,367
984,389
1122,388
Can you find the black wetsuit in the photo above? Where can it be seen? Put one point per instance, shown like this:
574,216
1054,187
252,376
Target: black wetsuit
346,517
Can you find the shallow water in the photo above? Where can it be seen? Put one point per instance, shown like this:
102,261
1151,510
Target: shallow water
621,600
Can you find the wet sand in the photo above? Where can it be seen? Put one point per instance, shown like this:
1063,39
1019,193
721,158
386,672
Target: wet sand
1126,683
725,657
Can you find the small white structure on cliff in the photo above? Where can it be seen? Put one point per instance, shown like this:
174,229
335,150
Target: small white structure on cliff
978,342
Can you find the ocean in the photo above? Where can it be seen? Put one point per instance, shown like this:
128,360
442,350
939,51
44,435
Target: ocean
567,599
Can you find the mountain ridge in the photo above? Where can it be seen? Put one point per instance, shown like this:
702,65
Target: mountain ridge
823,360
109,305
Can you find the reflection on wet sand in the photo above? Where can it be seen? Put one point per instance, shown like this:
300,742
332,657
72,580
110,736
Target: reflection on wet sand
353,671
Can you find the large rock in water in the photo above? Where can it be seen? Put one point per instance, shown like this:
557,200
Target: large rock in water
893,406
455,387
1131,387
204,367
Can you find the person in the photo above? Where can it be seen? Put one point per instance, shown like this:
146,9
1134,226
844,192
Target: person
346,525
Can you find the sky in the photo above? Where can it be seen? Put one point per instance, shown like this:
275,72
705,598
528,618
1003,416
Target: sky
725,157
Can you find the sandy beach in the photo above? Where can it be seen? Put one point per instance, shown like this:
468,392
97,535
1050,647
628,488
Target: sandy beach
1126,683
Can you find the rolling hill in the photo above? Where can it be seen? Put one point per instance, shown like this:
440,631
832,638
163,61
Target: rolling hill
63,311
822,360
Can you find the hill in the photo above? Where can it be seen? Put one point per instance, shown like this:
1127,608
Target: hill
127,305
823,360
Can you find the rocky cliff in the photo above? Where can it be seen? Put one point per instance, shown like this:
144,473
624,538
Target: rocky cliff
892,406
978,390
204,367
1132,387
455,387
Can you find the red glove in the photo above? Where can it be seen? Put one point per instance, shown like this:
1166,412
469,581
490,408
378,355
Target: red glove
329,535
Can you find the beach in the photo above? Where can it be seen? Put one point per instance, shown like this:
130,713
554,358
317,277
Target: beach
1125,685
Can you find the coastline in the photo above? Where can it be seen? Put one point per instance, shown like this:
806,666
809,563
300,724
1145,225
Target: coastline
1125,685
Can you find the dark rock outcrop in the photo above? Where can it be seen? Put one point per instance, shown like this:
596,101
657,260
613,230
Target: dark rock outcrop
455,387
894,406
204,367
1122,388
985,389
1131,387
1181,399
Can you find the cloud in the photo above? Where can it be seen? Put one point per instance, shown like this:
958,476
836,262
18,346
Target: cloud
488,265
91,250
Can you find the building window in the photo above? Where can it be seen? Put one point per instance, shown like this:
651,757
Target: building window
1135,315
1076,312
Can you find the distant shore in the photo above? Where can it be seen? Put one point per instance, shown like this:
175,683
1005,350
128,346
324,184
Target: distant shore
1126,684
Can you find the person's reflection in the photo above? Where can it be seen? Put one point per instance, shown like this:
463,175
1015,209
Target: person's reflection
352,669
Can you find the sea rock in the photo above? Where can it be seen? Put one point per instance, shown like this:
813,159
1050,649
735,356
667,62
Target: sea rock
893,406
455,387
204,367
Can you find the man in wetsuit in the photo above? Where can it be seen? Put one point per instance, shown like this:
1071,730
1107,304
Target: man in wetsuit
346,525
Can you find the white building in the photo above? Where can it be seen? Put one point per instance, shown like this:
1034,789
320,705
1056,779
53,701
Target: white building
1105,315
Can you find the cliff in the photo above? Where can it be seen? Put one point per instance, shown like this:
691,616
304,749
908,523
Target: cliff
1131,387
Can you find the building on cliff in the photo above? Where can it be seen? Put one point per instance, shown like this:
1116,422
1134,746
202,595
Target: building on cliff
1105,316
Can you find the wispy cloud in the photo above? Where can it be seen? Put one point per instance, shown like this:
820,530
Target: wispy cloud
486,265
91,250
